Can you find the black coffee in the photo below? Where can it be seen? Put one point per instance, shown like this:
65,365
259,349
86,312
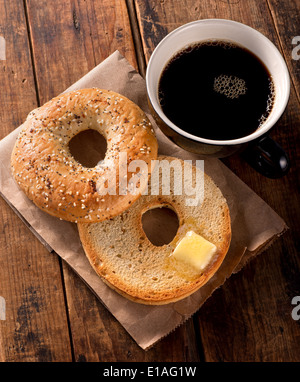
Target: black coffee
216,90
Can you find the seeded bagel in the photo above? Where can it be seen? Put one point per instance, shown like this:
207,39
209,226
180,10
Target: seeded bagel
50,176
125,259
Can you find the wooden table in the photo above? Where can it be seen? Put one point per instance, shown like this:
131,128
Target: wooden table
50,314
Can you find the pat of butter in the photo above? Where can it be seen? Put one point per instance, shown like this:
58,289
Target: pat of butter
194,250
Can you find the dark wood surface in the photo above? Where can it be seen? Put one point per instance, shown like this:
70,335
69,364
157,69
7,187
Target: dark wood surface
51,315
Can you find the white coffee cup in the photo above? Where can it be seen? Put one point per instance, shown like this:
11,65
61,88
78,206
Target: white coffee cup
257,43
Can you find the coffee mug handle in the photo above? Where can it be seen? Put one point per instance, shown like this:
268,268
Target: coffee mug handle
267,157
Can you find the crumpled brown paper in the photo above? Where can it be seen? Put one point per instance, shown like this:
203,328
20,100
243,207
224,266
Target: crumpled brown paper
254,224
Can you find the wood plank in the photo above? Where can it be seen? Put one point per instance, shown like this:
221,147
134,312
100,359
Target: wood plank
18,95
157,19
286,16
35,328
249,318
72,37
68,40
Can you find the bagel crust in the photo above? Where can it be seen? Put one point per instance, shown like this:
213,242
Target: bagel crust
122,255
50,176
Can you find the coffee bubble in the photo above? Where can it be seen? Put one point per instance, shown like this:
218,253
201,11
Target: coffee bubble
230,86
270,103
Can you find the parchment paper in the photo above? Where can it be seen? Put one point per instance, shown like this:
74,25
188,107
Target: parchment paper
254,224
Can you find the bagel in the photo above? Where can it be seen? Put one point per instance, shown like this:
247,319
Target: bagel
125,259
50,176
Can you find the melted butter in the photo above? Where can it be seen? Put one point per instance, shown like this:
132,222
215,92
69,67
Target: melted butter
180,269
190,254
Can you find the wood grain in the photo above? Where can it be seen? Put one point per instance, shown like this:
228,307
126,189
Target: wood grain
249,318
35,328
72,37
286,16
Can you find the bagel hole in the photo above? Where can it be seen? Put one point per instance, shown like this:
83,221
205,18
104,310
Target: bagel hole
88,147
160,225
